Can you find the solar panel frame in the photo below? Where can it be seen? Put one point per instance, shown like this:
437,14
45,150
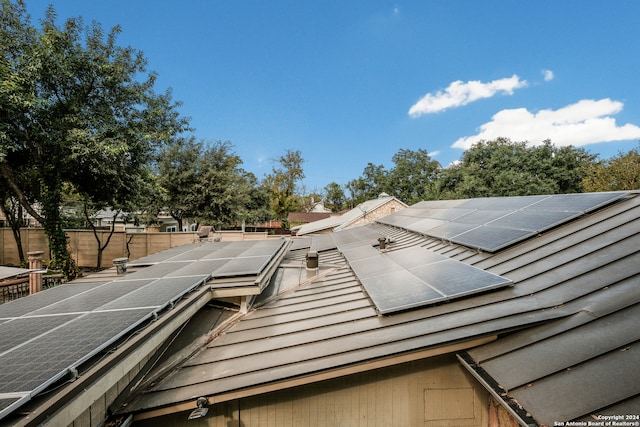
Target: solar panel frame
491,239
93,298
457,280
59,329
73,343
533,220
24,306
23,329
157,294
579,202
449,230
416,277
388,300
322,242
245,266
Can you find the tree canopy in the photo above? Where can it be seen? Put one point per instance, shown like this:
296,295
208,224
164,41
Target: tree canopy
283,181
621,172
75,109
506,168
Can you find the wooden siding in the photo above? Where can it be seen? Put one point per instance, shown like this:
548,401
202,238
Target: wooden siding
433,392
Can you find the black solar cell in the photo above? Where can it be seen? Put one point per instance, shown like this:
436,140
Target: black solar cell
415,277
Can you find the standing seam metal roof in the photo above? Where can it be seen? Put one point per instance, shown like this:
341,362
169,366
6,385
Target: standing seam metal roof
587,269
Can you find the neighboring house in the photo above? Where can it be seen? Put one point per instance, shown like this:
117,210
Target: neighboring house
165,223
296,219
364,213
479,312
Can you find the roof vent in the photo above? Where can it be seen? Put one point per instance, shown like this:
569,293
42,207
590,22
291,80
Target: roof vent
312,260
382,241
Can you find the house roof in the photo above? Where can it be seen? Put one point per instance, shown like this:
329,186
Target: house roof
305,217
551,346
9,272
343,221
58,332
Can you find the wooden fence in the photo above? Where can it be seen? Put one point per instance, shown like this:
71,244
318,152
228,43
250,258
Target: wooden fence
84,248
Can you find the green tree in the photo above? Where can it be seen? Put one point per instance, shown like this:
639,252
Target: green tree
179,170
506,168
369,186
283,183
75,108
205,183
223,187
335,198
621,172
413,177
257,209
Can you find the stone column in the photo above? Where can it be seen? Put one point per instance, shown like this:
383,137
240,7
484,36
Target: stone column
35,278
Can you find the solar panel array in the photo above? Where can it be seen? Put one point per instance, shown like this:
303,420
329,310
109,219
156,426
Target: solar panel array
415,277
493,223
344,238
46,336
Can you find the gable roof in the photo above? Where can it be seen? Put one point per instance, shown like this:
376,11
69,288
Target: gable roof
305,217
336,223
571,284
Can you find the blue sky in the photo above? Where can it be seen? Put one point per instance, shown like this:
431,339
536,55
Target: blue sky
353,82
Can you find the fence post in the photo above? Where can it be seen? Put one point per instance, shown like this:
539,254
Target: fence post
35,278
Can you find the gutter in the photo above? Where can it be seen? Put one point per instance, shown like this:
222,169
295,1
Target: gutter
518,413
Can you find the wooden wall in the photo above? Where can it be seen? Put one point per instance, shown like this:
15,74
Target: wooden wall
84,248
435,392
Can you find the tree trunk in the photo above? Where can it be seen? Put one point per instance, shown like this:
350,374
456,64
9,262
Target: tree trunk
13,213
52,224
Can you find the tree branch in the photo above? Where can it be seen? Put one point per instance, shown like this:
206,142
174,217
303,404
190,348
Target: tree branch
6,173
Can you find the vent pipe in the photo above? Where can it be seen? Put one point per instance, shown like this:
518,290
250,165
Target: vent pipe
382,241
312,260
121,265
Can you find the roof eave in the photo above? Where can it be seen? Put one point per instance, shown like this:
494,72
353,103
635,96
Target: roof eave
317,376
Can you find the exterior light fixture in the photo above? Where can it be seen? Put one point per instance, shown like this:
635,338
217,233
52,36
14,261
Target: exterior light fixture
201,410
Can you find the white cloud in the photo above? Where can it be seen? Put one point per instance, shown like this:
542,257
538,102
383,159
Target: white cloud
548,75
586,122
461,93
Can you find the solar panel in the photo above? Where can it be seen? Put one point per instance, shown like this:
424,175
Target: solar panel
494,223
42,299
47,334
94,298
60,349
581,202
533,220
447,230
456,279
416,277
20,330
322,242
490,238
156,294
242,266
482,216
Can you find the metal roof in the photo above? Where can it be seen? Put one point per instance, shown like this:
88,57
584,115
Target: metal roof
343,221
8,272
575,300
48,336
